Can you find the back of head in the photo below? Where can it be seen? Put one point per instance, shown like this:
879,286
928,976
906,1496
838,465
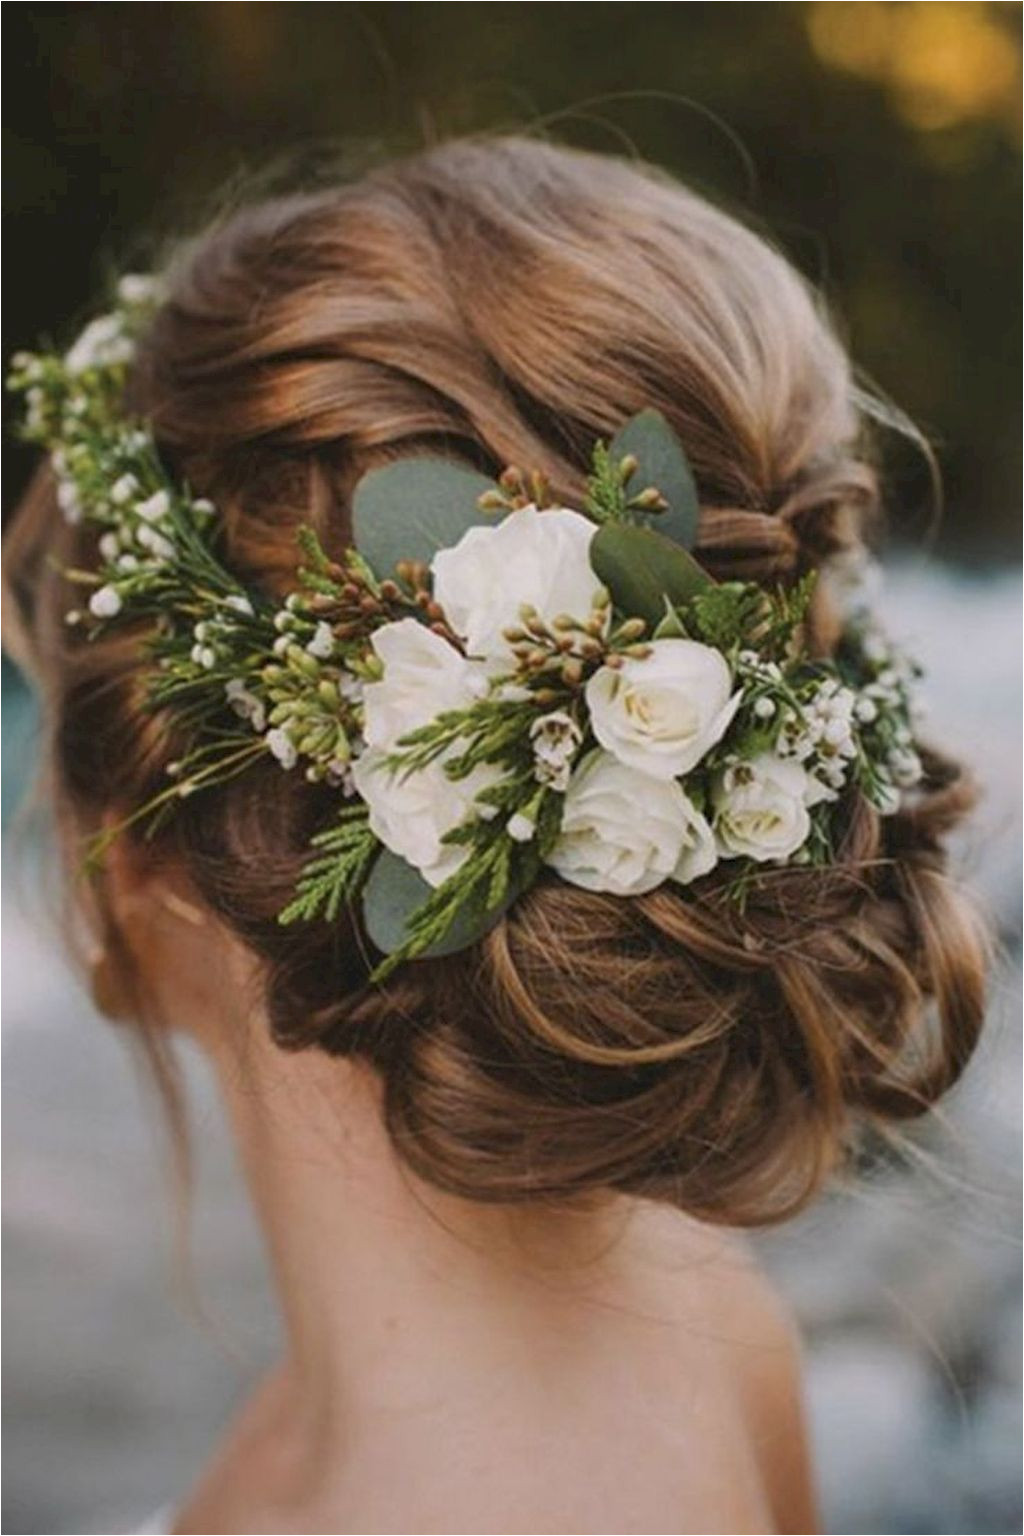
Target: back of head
510,302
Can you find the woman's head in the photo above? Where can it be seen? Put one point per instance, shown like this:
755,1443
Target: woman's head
508,302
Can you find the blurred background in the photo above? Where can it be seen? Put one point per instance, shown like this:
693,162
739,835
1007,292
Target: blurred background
879,144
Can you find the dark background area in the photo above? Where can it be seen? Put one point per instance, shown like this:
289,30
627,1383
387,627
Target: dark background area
877,142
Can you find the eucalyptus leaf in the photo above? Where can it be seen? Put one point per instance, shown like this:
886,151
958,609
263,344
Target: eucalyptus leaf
643,570
412,508
394,893
661,462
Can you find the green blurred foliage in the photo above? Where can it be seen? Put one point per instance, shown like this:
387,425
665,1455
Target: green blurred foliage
877,142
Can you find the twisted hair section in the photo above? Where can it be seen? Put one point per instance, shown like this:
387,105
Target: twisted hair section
509,302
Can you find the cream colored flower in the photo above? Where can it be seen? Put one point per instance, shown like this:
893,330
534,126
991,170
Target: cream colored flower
761,809
625,833
662,712
530,557
411,811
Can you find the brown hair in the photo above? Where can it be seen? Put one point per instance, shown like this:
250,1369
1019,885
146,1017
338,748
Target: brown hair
507,301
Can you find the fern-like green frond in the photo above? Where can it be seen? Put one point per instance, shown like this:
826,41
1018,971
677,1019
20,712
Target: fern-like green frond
344,854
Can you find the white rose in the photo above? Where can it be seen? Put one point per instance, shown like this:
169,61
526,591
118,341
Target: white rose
761,808
662,712
541,558
411,812
626,833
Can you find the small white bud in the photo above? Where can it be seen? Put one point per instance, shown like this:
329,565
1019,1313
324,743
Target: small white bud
764,708
322,644
282,747
520,828
836,732
69,501
105,603
123,490
154,507
137,288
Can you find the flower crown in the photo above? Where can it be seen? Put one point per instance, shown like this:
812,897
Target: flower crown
494,685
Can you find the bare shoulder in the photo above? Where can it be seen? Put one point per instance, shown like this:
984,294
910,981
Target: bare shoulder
721,1294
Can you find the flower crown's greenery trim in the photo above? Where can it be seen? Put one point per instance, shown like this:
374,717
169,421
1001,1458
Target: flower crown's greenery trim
643,476
544,708
329,881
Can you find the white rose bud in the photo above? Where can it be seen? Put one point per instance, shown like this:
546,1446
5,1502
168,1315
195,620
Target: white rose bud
761,808
626,833
536,558
662,712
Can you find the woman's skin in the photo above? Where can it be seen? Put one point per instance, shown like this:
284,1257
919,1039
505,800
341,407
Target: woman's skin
452,1367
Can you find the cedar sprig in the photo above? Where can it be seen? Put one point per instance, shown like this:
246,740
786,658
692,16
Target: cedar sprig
345,852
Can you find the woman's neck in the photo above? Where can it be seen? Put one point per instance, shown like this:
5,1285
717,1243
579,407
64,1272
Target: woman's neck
387,1286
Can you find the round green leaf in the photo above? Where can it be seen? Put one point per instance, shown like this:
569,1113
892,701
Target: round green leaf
412,508
394,893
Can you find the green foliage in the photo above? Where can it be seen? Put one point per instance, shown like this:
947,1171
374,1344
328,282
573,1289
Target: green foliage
727,615
409,510
736,615
662,463
406,919
492,729
333,877
642,570
607,501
